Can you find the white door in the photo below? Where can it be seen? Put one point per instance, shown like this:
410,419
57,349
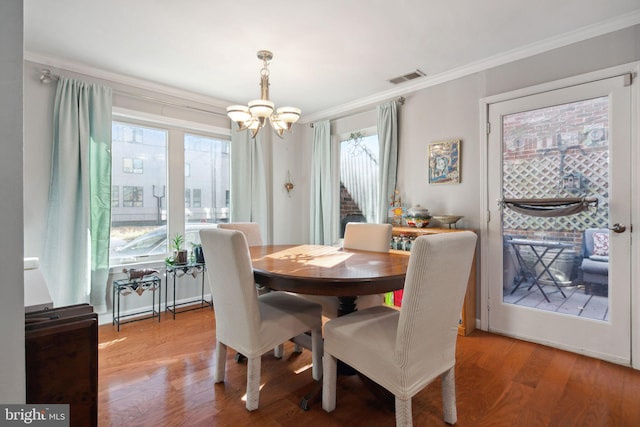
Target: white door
564,144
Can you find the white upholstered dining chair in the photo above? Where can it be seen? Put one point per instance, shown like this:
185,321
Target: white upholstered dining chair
360,236
251,231
249,323
367,237
405,350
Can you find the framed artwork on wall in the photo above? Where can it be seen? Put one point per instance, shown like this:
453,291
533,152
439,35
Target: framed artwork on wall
444,162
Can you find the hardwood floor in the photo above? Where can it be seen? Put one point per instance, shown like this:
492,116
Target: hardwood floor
160,374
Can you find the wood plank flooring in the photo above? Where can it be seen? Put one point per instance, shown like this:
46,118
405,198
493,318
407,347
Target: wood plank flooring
160,374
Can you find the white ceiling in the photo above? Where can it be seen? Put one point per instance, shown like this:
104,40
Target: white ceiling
327,53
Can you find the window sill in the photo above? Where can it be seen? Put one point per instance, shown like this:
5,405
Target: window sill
143,263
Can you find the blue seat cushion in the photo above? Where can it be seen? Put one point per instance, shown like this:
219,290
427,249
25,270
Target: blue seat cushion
595,267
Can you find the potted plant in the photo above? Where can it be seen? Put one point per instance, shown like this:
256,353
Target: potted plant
180,254
198,255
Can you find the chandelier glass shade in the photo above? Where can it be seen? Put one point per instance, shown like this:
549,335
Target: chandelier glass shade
255,114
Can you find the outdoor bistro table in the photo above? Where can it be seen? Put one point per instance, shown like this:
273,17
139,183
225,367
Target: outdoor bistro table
545,253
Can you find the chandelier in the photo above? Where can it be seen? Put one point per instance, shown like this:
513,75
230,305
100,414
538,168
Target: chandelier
254,116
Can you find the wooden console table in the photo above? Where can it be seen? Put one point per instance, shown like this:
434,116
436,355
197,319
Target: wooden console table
468,316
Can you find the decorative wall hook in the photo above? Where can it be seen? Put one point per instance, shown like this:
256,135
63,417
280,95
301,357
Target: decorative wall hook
288,183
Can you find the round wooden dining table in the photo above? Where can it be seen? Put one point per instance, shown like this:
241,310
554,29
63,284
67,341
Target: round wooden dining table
329,271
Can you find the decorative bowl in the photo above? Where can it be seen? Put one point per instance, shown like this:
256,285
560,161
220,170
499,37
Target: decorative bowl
417,222
447,219
417,216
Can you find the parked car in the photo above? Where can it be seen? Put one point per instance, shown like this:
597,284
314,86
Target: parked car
154,243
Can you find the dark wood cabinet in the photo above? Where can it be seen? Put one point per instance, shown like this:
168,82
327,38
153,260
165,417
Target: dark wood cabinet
61,351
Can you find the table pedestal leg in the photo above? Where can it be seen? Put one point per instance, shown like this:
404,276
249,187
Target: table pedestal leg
347,305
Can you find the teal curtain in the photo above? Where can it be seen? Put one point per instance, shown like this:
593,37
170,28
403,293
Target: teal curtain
75,259
322,221
249,183
388,156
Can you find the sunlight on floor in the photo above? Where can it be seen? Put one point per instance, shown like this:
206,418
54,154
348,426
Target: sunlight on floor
110,343
244,396
303,368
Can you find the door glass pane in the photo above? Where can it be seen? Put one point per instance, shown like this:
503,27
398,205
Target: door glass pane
557,263
139,180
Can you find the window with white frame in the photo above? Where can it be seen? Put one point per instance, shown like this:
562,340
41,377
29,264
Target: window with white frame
208,180
358,177
148,216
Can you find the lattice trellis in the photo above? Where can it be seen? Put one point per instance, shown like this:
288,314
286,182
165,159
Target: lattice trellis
540,177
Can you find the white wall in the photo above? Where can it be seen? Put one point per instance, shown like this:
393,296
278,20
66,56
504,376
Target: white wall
12,363
289,226
447,111
38,117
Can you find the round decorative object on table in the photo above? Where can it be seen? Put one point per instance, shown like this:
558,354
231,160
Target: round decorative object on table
448,219
418,216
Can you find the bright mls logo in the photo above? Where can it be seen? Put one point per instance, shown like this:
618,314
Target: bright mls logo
35,415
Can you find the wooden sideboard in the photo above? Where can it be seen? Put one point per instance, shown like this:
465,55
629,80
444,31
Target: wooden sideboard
61,354
468,316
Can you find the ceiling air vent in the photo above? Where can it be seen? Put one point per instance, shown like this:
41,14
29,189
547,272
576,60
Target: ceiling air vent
413,75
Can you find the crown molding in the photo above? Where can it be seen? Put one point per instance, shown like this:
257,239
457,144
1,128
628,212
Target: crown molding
125,80
584,33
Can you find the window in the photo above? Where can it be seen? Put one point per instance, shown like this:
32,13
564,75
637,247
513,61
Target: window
128,134
132,165
141,226
143,206
187,197
197,198
358,178
132,197
115,196
207,184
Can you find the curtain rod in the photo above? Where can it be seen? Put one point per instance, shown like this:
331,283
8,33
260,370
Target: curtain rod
400,100
47,77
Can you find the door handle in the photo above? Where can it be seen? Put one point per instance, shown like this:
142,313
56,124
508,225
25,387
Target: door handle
618,228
